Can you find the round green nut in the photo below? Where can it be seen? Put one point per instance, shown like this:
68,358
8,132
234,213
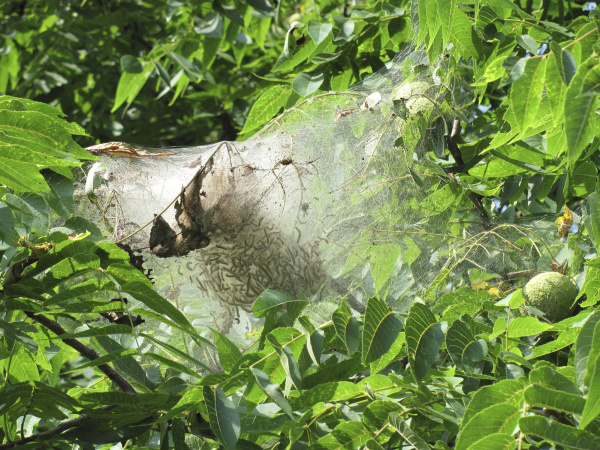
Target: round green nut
552,293
414,94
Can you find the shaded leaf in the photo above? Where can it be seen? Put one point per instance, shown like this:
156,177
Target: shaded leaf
306,83
346,327
424,336
380,330
588,343
318,31
564,61
272,390
464,349
223,416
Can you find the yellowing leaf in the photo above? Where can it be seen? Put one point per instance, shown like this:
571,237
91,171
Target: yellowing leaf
564,222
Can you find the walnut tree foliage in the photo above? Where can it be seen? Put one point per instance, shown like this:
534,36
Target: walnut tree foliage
461,368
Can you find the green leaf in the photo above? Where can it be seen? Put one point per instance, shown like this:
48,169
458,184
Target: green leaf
23,368
376,413
588,343
526,92
268,301
464,349
526,326
346,327
463,36
446,10
131,64
528,43
339,391
380,330
497,441
558,433
592,403
145,294
167,362
228,351
346,28
319,31
591,82
106,330
549,377
579,115
211,26
306,83
402,428
127,366
424,336
509,392
179,353
289,364
15,398
223,416
272,390
500,418
346,435
543,397
130,85
594,218
564,61
264,6
266,107
188,67
105,359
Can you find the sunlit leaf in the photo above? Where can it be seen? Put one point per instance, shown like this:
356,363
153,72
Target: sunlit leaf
526,326
347,435
228,351
267,105
558,433
540,396
526,92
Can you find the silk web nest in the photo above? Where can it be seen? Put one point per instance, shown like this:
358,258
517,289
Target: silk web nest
335,197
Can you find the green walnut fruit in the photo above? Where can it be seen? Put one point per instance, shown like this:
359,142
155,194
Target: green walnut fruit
416,95
552,293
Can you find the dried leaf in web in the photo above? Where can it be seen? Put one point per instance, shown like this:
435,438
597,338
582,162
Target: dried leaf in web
338,196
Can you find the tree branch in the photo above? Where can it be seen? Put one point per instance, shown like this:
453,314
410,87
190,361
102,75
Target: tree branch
86,351
455,152
89,353
63,426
